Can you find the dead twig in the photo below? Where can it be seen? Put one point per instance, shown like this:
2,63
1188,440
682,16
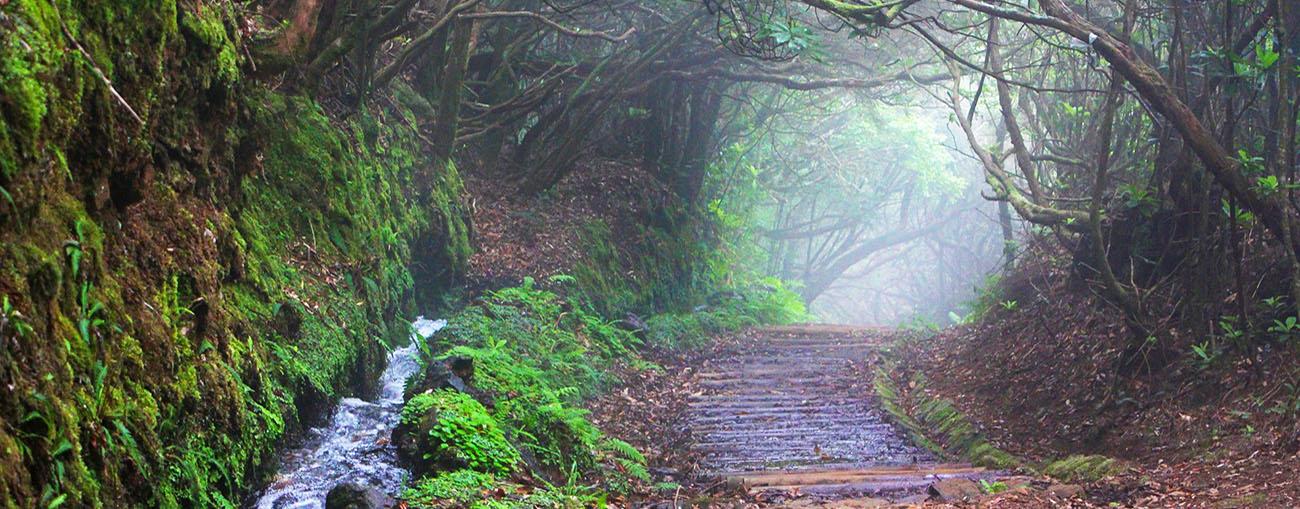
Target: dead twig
98,73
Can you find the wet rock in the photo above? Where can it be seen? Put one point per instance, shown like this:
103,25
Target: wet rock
454,373
634,324
1065,491
410,438
409,433
350,495
462,367
736,484
955,490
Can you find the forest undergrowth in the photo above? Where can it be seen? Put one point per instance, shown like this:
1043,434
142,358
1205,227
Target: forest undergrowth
1038,365
218,216
537,356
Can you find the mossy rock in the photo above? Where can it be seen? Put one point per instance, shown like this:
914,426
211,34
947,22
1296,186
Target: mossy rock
936,424
1083,468
446,430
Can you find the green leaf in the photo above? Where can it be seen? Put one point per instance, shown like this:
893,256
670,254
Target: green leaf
1265,57
64,446
1242,69
83,327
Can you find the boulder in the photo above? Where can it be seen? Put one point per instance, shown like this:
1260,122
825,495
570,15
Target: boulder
445,430
350,495
955,490
634,324
444,374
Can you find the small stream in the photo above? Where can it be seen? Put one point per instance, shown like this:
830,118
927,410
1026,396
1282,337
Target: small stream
354,446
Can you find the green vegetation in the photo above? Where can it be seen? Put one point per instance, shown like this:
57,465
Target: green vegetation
538,354
459,486
765,302
166,330
1082,468
460,432
691,287
936,424
475,490
992,488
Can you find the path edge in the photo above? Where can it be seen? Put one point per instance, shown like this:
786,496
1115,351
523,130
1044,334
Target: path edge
935,423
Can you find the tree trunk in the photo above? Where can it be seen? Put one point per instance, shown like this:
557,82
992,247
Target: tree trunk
453,77
696,154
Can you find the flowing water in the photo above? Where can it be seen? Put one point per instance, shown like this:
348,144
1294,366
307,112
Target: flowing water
354,446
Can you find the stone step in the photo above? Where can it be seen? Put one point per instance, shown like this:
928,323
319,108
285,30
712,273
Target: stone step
792,411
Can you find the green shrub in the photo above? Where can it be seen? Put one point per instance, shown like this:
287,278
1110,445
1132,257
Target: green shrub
769,302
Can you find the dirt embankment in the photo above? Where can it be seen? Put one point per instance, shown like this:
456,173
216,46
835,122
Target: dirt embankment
517,235
1043,374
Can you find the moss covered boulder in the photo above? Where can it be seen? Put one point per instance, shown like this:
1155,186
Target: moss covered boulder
446,430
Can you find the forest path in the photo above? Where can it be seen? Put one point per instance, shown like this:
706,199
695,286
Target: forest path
795,412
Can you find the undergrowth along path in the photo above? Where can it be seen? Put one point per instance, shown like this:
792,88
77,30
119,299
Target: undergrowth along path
795,413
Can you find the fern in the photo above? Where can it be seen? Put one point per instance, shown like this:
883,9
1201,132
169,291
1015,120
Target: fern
129,443
562,279
634,469
624,449
11,318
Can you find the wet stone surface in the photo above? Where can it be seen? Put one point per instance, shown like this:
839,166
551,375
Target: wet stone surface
792,413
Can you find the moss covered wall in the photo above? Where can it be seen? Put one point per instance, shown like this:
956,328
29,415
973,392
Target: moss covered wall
185,290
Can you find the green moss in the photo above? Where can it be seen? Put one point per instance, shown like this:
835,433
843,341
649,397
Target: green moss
458,430
447,194
1083,468
28,58
208,26
937,425
158,371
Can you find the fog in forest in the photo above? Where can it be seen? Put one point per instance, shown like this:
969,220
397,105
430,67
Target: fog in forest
516,254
